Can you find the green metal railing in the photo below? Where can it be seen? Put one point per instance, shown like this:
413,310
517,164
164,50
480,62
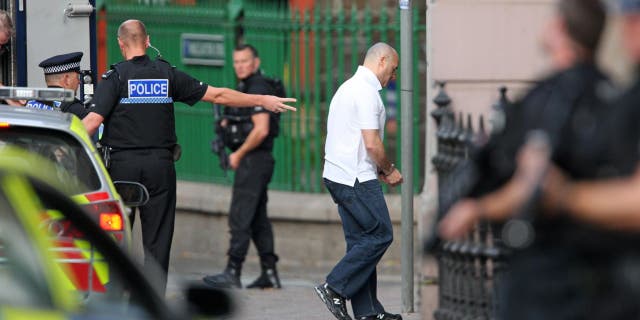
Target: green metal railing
312,51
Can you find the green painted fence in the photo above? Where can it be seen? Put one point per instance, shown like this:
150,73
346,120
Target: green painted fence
313,52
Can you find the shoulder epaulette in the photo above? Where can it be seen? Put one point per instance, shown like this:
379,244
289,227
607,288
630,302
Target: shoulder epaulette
107,74
165,61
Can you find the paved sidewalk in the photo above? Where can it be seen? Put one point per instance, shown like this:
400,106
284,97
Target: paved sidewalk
199,249
296,300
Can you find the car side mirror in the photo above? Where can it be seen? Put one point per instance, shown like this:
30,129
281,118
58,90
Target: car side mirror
208,302
133,194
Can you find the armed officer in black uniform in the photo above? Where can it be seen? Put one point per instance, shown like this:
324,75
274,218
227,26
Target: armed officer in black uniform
561,273
135,100
62,71
249,133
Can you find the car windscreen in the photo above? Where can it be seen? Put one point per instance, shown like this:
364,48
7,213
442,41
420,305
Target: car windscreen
62,149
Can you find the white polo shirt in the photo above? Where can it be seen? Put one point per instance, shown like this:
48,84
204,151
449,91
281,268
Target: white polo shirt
355,106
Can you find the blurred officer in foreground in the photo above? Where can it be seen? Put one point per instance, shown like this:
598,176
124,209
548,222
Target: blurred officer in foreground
256,129
613,203
559,270
62,71
135,100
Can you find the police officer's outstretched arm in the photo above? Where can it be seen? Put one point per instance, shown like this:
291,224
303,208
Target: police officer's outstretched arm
612,203
233,98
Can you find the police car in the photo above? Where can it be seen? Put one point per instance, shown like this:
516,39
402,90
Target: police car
62,139
34,274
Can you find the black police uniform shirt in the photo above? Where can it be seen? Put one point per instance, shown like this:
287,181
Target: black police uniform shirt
571,108
136,99
625,127
552,105
618,251
254,84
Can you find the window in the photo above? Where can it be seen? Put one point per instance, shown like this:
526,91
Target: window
67,154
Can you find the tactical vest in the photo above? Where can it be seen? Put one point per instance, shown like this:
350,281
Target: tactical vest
237,128
239,123
144,116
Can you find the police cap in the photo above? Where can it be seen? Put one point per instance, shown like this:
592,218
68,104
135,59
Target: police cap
629,6
62,63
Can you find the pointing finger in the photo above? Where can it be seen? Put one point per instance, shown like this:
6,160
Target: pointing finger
286,107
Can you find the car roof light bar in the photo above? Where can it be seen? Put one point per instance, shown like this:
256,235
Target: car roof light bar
42,94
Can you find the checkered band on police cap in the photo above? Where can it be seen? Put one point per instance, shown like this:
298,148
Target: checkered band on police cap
62,63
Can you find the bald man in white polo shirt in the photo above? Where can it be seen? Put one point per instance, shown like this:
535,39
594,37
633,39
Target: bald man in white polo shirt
355,161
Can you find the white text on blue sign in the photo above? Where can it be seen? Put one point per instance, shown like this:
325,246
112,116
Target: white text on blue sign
148,88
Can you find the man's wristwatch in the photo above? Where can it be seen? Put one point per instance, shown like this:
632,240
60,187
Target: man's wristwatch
389,172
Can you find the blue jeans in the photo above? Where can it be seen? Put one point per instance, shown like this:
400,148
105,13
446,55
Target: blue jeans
368,234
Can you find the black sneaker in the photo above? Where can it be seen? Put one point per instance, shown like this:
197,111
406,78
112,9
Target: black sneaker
225,280
334,302
382,316
267,279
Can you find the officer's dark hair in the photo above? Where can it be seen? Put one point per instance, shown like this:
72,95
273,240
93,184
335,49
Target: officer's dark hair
132,32
584,20
251,48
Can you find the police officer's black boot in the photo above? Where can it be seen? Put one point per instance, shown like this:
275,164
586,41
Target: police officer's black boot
268,277
229,278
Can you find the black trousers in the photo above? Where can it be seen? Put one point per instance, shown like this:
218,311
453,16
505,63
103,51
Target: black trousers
248,213
154,168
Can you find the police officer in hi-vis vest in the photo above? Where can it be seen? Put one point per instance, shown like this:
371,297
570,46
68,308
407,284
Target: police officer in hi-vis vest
135,101
62,71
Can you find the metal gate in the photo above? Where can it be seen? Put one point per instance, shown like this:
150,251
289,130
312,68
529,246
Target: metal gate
312,51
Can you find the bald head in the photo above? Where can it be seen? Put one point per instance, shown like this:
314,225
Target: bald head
133,33
382,60
378,51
